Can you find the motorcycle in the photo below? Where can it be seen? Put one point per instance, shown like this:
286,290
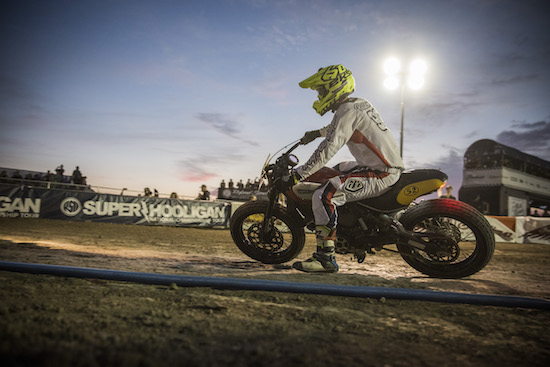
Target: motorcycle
442,238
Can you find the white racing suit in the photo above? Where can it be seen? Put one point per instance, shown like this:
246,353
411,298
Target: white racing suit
377,164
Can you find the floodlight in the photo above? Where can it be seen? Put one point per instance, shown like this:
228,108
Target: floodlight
392,66
396,78
418,67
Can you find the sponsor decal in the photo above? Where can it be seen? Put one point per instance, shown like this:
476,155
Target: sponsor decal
71,207
411,190
19,207
354,185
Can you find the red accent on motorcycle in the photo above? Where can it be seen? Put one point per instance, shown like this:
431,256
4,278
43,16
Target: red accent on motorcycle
292,196
324,174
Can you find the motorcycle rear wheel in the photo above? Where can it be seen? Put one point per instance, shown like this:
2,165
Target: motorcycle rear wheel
468,244
287,236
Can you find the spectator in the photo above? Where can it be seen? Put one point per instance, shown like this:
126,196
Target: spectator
204,194
174,195
48,176
4,177
147,192
76,177
17,176
156,193
231,183
449,194
222,185
59,171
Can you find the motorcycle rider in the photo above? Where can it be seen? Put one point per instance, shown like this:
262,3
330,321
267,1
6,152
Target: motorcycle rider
377,164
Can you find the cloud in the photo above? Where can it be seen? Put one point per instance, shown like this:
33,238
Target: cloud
531,138
471,135
518,79
225,125
443,108
205,167
195,170
451,162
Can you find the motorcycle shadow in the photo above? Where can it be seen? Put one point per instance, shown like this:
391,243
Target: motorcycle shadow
368,277
223,265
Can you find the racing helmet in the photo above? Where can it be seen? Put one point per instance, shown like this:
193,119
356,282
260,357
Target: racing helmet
333,83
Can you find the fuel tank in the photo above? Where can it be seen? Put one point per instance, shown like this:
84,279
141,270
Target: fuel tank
304,190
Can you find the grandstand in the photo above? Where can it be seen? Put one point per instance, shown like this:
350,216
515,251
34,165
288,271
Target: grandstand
500,180
38,179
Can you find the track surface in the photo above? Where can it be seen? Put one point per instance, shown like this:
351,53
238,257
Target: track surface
65,322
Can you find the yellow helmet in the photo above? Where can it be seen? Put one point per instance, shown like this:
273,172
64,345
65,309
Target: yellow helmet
333,83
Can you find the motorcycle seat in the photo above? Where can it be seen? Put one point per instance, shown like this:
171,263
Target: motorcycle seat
411,185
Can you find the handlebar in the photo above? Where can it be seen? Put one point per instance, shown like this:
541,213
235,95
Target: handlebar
293,147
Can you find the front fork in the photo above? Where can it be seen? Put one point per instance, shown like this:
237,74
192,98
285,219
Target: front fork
265,236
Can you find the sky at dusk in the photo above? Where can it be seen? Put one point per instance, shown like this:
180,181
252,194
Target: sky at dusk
174,94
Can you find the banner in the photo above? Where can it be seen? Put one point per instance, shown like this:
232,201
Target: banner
533,230
32,202
521,229
504,228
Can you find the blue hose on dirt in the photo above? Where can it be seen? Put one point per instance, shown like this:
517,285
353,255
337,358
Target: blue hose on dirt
277,286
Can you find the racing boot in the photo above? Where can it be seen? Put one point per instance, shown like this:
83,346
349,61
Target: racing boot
323,260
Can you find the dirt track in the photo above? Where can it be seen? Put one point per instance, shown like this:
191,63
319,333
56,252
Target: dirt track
52,321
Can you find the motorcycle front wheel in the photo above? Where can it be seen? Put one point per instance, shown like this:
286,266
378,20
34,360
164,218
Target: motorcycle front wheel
284,242
460,240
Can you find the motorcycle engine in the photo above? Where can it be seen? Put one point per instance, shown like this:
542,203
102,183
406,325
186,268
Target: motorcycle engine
346,217
359,231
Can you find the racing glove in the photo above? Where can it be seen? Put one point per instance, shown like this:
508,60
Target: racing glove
310,136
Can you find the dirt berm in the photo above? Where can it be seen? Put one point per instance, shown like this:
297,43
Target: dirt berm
57,321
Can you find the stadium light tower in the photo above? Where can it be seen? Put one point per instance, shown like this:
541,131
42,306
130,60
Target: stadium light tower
397,77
